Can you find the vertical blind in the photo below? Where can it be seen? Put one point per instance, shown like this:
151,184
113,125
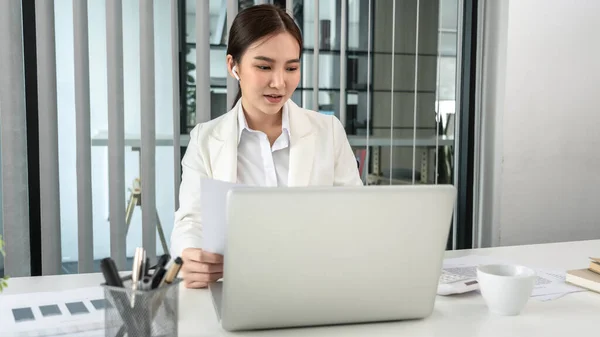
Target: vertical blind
13,150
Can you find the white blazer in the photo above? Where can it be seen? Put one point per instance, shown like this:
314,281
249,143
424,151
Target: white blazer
320,155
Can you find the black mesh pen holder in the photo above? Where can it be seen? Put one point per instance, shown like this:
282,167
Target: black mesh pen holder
141,313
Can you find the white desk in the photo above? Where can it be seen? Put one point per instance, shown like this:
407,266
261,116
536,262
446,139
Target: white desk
463,315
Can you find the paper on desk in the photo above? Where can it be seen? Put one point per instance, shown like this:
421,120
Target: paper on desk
213,203
76,312
550,284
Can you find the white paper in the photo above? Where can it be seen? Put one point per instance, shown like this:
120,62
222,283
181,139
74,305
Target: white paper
213,204
67,322
550,284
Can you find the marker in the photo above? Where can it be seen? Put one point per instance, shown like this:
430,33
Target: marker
110,272
162,262
146,267
172,272
159,270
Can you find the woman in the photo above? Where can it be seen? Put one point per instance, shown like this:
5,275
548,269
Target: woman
264,140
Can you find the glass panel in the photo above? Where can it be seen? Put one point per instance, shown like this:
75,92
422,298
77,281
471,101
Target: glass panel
329,25
446,89
329,63
434,86
398,121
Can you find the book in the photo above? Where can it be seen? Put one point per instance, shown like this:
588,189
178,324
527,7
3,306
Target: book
584,278
595,264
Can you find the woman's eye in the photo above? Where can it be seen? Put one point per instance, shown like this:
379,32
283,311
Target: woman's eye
263,67
292,69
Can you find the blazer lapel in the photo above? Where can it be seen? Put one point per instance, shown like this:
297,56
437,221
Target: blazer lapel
302,147
222,145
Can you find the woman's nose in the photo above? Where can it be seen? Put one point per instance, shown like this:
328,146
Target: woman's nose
278,79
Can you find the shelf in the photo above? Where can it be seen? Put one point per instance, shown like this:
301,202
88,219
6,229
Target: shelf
348,91
365,90
354,52
133,140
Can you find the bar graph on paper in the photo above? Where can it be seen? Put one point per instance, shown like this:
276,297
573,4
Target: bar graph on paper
77,312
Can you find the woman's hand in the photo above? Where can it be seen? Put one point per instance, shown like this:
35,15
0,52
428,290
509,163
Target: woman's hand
200,267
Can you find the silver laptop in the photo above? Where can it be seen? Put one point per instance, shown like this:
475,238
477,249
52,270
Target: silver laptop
332,255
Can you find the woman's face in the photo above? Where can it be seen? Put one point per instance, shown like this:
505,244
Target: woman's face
269,72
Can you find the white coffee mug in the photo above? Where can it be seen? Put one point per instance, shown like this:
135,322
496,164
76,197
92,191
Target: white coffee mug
505,288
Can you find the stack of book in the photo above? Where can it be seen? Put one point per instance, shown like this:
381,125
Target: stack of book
588,278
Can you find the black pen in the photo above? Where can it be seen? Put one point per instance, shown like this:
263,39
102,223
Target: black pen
146,267
159,270
110,272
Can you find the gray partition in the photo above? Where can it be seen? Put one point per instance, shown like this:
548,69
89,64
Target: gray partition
48,138
85,235
116,131
148,127
13,146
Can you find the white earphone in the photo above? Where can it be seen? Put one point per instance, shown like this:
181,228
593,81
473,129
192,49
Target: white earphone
233,70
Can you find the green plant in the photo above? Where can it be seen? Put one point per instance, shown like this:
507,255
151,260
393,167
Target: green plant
3,280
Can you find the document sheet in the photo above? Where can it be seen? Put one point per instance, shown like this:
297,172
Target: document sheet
76,312
213,203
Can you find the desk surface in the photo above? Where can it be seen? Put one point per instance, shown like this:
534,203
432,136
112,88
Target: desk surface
462,315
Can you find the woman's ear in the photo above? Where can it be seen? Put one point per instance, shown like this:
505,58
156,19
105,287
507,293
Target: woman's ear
231,67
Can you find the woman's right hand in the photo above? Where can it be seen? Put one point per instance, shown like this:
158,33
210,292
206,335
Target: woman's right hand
200,267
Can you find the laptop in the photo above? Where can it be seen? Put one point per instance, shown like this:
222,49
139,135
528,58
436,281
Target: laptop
313,256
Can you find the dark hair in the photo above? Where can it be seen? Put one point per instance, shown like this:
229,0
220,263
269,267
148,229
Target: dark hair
255,23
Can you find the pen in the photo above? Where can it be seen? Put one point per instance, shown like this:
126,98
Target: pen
159,270
161,262
145,266
146,283
172,272
110,272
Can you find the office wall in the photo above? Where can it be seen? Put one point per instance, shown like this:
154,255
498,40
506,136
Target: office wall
540,106
99,120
